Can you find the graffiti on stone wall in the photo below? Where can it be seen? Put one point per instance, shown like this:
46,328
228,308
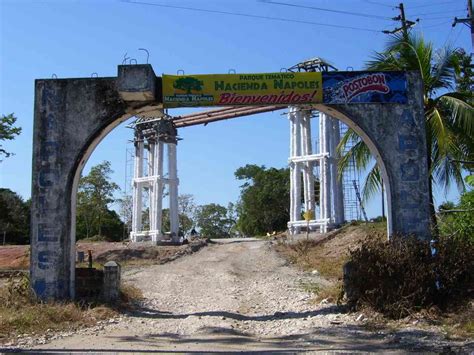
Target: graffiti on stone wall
46,235
410,172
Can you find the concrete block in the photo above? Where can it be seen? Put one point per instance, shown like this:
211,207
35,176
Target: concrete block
136,82
111,285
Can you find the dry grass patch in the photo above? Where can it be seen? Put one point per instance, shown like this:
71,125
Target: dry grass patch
327,255
20,314
130,294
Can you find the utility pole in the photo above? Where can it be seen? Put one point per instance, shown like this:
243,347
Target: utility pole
469,21
405,24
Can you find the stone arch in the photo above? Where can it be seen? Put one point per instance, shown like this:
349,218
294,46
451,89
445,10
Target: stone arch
374,149
73,115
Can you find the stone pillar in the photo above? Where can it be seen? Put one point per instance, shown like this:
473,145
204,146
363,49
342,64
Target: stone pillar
323,175
291,118
327,178
173,189
111,285
137,189
336,182
151,190
158,191
297,167
308,165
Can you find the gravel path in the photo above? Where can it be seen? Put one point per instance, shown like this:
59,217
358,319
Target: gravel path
235,295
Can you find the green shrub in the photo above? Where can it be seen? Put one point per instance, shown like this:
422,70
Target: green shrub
401,276
460,222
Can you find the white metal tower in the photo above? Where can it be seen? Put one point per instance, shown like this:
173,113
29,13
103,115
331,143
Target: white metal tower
330,212
152,138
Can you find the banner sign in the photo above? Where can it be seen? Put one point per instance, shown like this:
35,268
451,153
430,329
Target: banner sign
364,87
242,89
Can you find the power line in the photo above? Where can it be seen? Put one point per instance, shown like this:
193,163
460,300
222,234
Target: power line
282,19
438,24
439,12
448,37
433,4
327,10
457,37
380,4
435,18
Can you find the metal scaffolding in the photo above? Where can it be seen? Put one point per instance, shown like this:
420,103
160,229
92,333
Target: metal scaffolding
310,167
350,184
152,138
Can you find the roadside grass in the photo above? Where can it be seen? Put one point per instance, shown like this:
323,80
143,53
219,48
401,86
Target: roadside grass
327,256
22,315
459,325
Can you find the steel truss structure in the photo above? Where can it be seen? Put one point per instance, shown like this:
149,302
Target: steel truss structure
152,138
155,134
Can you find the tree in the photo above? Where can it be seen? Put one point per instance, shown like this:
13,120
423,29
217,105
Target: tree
14,217
213,221
186,214
465,76
233,216
458,220
7,132
125,212
449,114
188,84
94,195
112,226
187,211
264,199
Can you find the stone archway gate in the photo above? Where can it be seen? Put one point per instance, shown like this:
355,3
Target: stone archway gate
71,116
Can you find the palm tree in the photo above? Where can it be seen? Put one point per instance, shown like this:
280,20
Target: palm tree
449,114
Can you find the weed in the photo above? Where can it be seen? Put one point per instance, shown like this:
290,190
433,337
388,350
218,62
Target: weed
401,276
311,286
20,313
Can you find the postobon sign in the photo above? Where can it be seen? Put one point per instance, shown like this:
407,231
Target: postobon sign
242,89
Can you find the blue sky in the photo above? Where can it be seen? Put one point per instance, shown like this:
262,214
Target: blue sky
77,38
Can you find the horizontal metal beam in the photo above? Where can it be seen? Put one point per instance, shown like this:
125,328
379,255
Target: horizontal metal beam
222,114
305,158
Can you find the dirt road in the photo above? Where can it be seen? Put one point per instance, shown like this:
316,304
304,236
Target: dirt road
235,295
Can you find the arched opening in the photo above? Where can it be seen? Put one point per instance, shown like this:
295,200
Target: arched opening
86,154
374,149
95,141
73,115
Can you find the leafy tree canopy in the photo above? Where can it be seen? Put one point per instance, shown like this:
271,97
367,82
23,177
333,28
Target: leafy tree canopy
213,221
7,132
14,217
458,220
96,192
264,199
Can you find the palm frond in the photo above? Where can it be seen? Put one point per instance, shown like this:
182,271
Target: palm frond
447,169
372,183
461,112
437,132
444,69
352,150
